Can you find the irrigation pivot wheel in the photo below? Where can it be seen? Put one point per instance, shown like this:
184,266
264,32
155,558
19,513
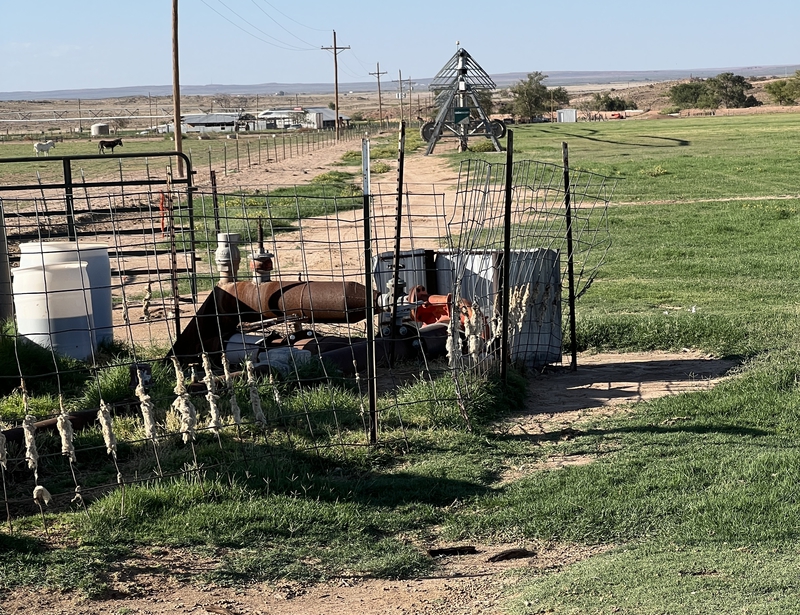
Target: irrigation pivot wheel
498,128
426,131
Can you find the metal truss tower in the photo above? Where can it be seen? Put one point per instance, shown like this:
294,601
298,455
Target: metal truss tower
460,112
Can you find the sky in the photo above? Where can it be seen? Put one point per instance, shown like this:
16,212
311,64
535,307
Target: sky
99,44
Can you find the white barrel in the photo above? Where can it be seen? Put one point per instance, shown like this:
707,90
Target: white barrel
37,253
53,305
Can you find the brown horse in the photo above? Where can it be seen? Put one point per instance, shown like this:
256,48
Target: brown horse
102,145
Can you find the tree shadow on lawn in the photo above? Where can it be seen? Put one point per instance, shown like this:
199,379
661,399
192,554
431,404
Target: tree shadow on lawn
568,433
673,142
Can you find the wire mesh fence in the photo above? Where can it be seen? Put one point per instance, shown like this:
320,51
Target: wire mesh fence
187,331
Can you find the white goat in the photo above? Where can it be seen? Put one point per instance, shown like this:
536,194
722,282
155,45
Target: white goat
43,147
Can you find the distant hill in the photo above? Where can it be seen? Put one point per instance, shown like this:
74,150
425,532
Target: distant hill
556,78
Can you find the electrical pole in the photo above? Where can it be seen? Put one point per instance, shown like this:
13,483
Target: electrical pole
378,74
410,98
336,51
400,93
176,89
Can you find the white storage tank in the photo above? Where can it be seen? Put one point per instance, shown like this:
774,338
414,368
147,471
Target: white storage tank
567,115
538,339
100,130
95,255
53,307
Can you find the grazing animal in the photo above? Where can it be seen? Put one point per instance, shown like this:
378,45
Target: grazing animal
43,147
102,145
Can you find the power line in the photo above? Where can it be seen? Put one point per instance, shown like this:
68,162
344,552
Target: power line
233,23
281,25
257,28
294,20
346,68
399,82
364,66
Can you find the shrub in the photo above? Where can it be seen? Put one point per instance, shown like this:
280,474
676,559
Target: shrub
482,146
332,177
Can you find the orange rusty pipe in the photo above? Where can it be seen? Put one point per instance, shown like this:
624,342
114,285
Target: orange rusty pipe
316,301
229,304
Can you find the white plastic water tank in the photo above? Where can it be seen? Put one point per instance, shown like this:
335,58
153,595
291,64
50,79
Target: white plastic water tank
53,309
38,253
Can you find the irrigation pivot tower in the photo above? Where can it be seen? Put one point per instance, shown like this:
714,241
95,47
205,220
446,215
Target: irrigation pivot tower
460,112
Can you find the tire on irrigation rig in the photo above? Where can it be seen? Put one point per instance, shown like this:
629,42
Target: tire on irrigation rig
498,128
426,131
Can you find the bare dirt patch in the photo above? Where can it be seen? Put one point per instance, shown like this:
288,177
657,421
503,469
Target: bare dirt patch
461,585
604,384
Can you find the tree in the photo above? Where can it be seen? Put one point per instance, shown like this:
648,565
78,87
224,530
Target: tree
606,102
687,95
505,107
485,99
559,97
730,90
530,96
693,95
783,91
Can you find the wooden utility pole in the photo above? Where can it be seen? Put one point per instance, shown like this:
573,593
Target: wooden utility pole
336,51
410,98
400,93
176,89
378,74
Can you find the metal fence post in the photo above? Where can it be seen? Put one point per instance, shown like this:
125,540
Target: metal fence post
506,277
372,385
573,336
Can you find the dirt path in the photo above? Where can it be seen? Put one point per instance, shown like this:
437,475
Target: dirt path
419,169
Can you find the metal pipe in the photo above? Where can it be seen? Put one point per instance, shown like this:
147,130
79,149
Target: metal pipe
229,305
330,302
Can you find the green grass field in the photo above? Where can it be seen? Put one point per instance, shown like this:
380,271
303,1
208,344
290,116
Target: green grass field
674,160
696,496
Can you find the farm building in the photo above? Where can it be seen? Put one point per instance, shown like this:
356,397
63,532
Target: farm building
218,122
310,117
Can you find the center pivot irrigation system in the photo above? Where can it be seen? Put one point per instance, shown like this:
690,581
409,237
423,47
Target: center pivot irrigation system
460,112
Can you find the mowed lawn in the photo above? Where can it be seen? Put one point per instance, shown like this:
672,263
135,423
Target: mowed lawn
677,159
698,495
695,498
